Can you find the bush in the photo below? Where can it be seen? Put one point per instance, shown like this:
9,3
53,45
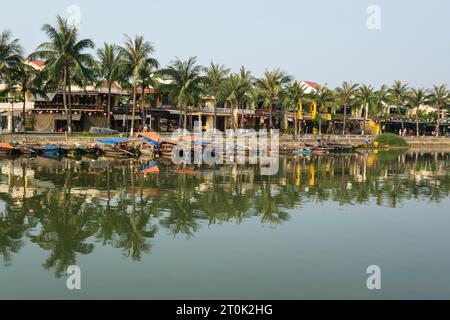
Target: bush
391,140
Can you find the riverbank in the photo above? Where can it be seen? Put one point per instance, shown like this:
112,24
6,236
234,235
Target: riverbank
286,141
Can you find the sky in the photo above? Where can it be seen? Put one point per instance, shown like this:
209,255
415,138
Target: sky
326,41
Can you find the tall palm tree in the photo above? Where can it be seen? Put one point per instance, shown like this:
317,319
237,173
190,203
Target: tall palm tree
245,96
24,79
215,75
365,96
346,93
398,93
381,99
229,94
185,79
146,80
295,95
273,82
10,53
111,68
323,98
136,53
64,57
440,97
416,98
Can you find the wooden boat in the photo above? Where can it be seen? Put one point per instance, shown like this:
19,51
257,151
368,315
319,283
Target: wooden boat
71,152
118,147
149,144
8,148
27,150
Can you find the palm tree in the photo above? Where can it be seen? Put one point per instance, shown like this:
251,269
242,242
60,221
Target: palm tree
24,78
10,53
185,79
440,97
365,96
416,98
381,99
136,53
215,75
245,96
110,68
346,94
146,80
65,58
295,94
398,93
273,82
229,94
323,98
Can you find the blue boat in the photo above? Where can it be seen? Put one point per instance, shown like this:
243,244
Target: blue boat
304,152
50,150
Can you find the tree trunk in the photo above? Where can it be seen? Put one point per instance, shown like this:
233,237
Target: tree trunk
133,111
270,114
417,121
65,96
109,106
180,116
215,112
185,117
24,94
437,121
345,119
366,111
232,116
142,110
69,100
295,125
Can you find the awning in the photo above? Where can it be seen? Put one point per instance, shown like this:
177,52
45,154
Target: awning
121,117
59,116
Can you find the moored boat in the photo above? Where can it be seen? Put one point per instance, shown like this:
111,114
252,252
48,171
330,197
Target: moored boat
118,147
8,148
149,144
48,150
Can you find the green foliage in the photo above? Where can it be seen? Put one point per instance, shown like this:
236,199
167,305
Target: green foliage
390,139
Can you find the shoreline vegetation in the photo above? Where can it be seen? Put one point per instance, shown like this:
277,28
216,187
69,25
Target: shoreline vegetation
293,106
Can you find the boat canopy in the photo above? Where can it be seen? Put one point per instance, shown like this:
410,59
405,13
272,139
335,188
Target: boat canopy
6,145
114,140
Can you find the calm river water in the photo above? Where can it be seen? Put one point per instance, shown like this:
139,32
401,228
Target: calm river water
155,231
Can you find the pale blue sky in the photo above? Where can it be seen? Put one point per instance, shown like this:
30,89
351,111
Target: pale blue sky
323,40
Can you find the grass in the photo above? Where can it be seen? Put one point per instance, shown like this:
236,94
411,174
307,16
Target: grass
391,140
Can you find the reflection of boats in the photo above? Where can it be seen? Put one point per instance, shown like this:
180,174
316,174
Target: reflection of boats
151,169
71,152
118,147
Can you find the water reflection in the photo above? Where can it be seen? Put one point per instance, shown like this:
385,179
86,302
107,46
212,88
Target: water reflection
67,207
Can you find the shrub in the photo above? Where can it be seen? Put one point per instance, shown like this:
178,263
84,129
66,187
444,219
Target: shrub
390,139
